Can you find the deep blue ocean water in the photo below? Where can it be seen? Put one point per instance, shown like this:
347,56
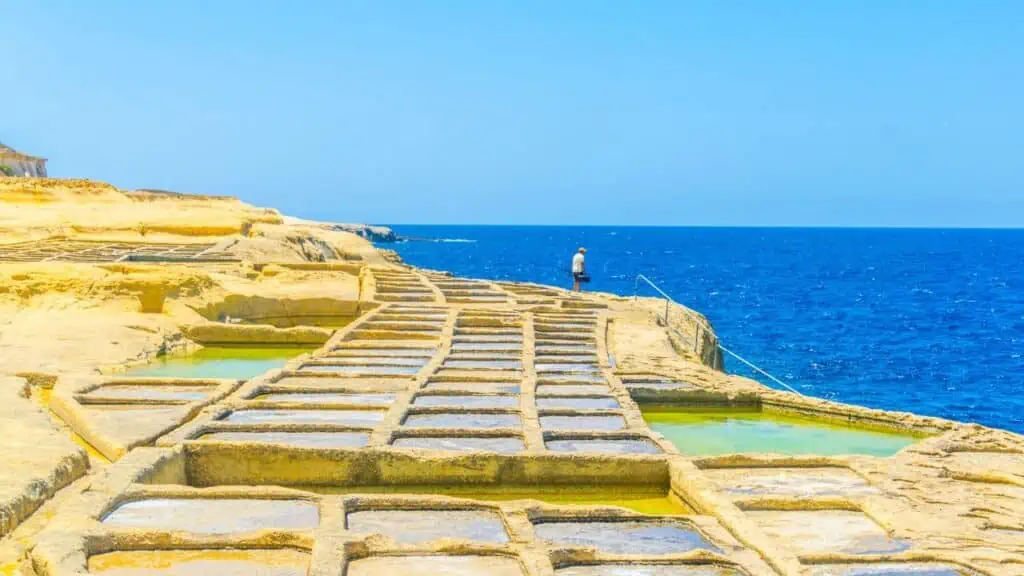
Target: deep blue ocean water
928,321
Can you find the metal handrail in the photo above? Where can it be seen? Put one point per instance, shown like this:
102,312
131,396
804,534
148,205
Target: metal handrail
668,302
696,337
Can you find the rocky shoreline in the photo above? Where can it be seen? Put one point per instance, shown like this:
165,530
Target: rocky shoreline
419,399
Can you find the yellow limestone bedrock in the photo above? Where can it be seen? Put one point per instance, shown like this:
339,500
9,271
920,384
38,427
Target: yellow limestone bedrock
955,496
38,459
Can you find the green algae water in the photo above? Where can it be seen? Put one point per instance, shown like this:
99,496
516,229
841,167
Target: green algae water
643,499
700,432
220,362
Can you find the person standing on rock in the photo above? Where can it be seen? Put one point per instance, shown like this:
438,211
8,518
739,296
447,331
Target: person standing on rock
579,269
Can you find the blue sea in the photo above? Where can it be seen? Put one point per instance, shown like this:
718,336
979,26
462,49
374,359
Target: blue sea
928,321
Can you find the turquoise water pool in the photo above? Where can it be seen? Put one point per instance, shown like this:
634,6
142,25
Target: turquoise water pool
219,362
710,433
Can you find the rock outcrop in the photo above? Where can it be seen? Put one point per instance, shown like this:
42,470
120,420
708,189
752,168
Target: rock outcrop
17,164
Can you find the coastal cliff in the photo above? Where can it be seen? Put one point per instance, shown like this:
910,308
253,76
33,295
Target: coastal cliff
18,164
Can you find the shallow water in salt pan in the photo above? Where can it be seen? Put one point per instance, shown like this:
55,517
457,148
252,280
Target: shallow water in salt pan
352,399
219,362
827,531
501,445
368,370
215,515
579,403
415,526
582,422
790,482
702,433
462,420
604,446
468,401
627,537
346,417
142,392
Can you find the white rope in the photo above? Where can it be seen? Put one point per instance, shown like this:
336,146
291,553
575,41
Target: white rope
758,369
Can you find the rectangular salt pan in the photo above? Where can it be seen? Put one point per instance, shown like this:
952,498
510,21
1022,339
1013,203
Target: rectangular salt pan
548,337
485,364
541,348
827,531
371,361
463,420
566,358
561,329
214,362
567,367
573,378
579,403
484,356
141,392
345,417
297,439
582,422
215,515
571,389
379,353
705,432
487,346
417,526
604,446
626,537
471,386
371,370
468,401
354,399
501,445
790,482
396,347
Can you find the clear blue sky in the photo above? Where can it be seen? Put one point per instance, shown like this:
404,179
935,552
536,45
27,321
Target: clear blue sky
869,112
